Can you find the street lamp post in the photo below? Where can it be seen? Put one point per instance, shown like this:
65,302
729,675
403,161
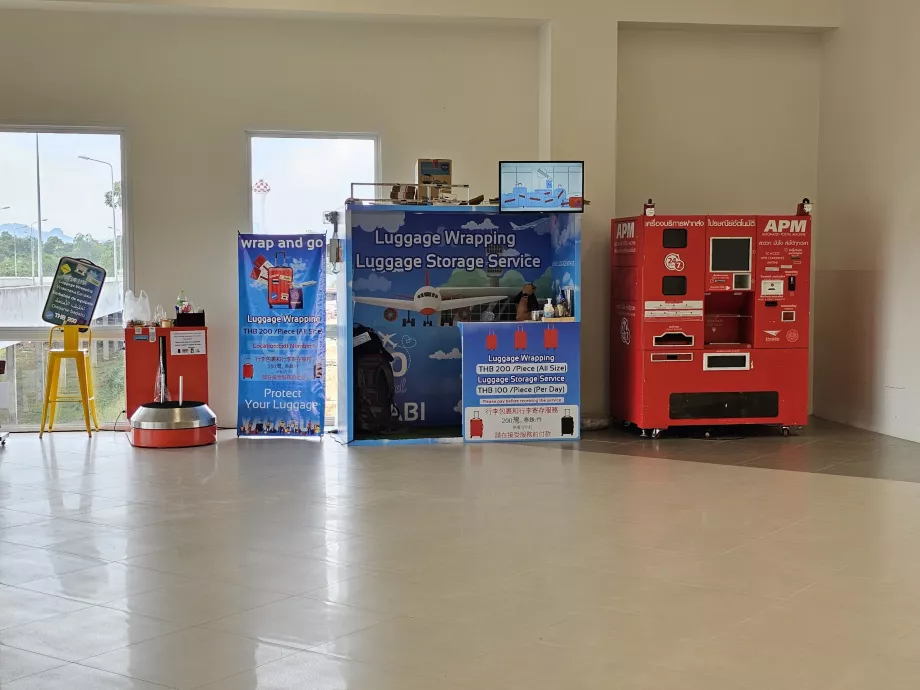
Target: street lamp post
15,257
38,196
114,231
116,236
32,248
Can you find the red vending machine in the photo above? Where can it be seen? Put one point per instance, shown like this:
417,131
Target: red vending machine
709,320
186,354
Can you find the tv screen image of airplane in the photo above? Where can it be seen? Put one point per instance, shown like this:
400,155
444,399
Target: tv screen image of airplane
542,187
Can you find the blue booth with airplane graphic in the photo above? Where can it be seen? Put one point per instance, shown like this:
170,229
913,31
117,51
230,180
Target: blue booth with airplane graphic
426,277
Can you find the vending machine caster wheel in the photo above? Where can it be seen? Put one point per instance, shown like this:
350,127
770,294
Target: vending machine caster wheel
787,431
656,433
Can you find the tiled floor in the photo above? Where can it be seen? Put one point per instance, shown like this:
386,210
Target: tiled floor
823,447
611,563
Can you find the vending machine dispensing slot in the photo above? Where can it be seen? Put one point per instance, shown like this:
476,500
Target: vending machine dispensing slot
726,362
742,281
667,357
673,340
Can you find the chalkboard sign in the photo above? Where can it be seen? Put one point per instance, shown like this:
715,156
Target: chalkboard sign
74,292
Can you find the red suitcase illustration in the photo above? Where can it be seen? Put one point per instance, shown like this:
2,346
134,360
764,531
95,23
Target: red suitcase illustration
248,370
551,338
475,426
520,339
491,342
280,282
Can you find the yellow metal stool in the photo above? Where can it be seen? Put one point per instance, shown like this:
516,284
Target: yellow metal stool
81,359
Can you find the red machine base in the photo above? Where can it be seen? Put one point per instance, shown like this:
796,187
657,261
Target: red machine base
656,395
655,433
173,438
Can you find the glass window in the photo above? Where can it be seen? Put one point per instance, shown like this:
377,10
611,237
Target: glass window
60,195
296,179
22,387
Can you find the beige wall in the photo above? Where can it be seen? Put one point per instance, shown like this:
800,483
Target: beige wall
717,121
186,89
867,328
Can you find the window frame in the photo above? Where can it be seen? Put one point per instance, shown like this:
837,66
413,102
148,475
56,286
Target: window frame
295,134
40,333
251,134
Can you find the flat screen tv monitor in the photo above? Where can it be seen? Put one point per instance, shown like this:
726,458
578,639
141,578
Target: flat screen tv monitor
541,186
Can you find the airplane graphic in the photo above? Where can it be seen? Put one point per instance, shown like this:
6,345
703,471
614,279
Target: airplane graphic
528,226
429,300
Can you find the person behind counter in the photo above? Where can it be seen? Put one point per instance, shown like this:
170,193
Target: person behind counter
526,301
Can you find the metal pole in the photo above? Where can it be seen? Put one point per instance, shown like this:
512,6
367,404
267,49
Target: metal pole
262,227
14,396
32,247
114,226
41,372
38,187
15,252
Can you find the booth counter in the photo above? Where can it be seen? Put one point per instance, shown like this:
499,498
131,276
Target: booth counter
440,286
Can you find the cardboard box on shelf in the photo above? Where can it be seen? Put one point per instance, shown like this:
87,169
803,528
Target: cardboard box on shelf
433,171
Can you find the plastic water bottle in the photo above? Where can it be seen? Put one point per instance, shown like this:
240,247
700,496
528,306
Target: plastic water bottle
181,303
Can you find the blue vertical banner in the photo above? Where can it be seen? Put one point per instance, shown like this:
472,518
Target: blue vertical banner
282,283
521,382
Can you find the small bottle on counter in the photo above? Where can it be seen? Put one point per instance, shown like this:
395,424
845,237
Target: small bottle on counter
548,311
181,303
562,307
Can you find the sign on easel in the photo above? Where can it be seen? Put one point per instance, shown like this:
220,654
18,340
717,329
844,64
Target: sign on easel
74,292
